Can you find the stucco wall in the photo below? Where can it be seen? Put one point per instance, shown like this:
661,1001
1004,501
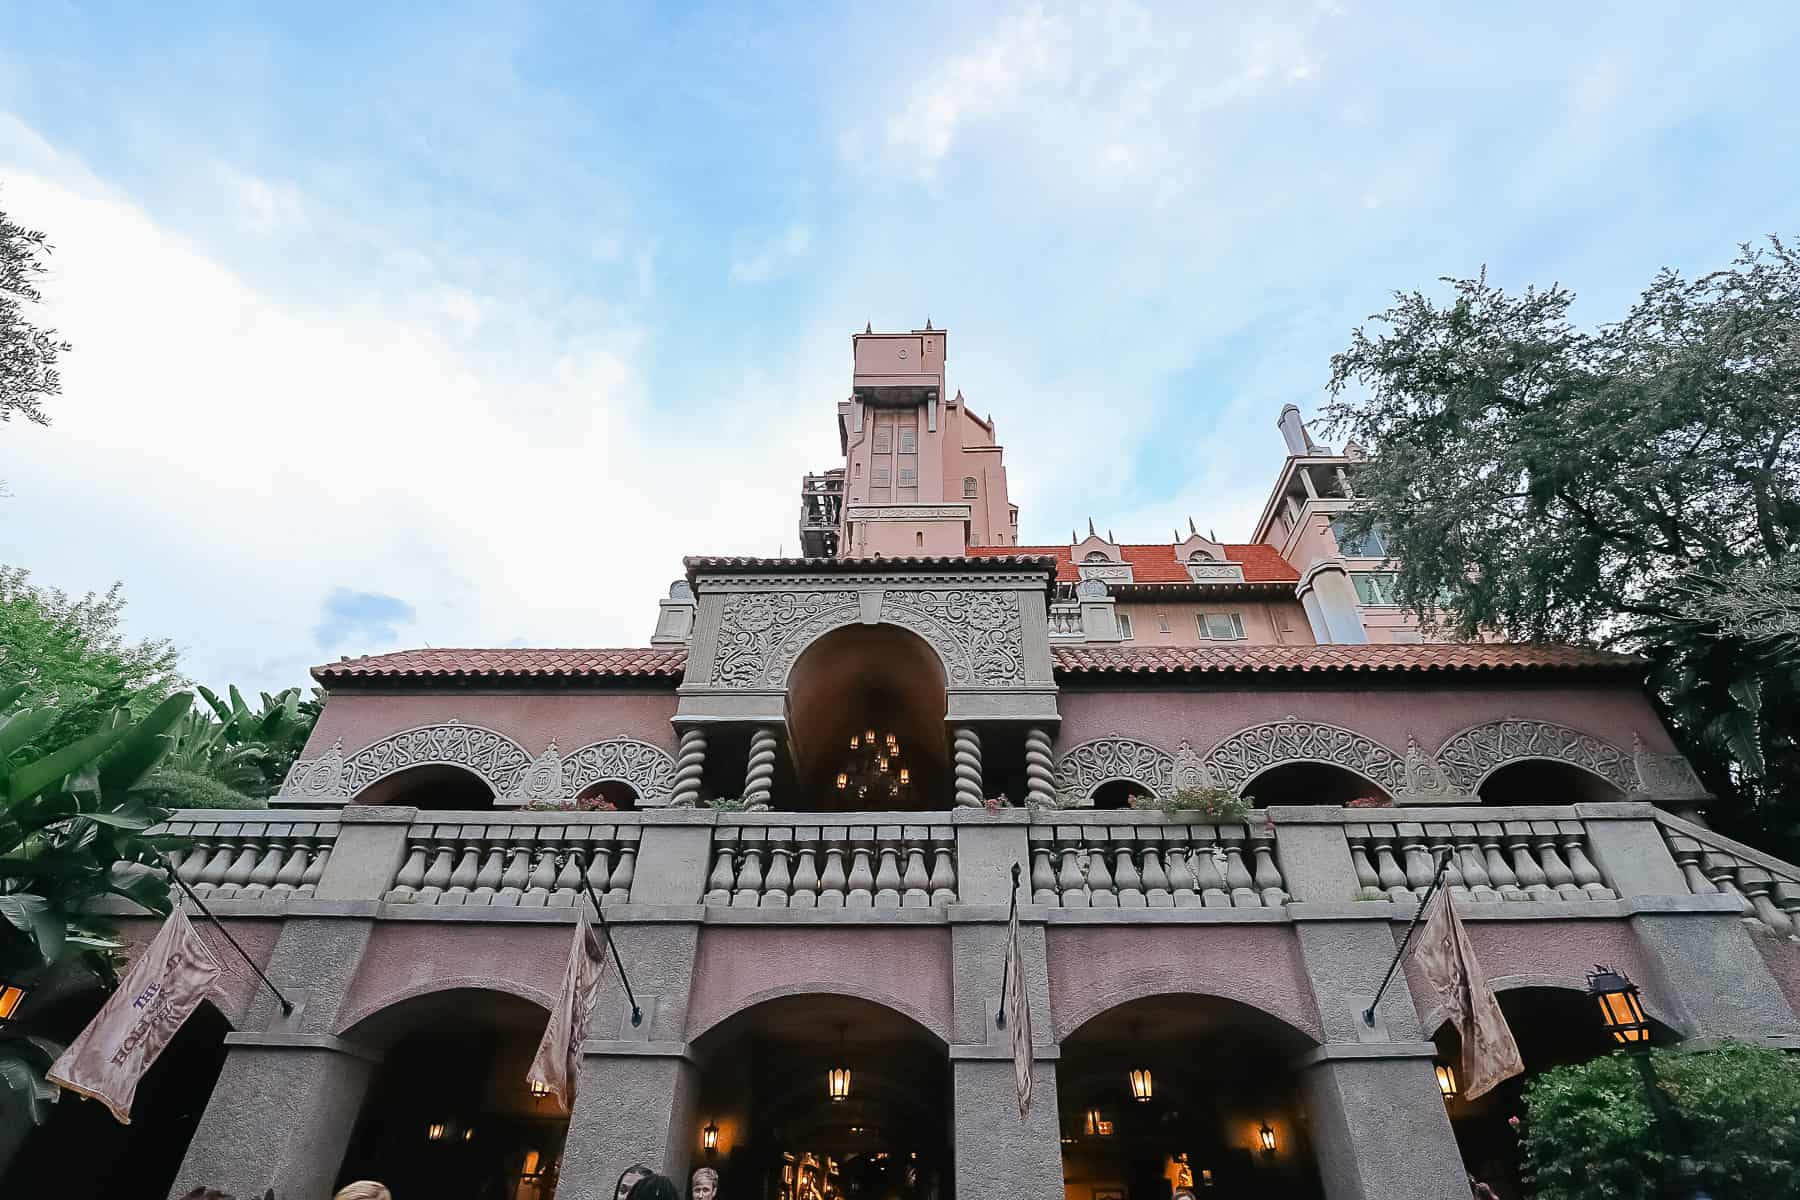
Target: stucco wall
411,958
573,718
1430,713
1266,623
1783,959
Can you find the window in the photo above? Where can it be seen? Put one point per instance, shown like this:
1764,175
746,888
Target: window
909,476
909,441
881,476
884,443
968,487
1220,627
1125,626
918,539
859,470
1095,556
1162,621
1201,556
1371,545
1376,587
1015,516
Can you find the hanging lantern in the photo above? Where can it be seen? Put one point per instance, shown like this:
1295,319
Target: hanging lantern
1142,1086
855,741
905,776
1621,1012
469,1134
709,1138
870,734
881,764
1266,1136
1446,1077
533,1166
1097,1124
12,995
434,1132
837,1080
843,781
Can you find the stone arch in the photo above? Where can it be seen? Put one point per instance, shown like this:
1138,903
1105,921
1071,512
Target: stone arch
1470,756
976,633
1083,769
368,1019
1240,758
647,769
494,757
1152,983
937,1029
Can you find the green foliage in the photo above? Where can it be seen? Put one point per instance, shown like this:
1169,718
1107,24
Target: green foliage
171,787
1637,485
1589,1132
1215,804
28,353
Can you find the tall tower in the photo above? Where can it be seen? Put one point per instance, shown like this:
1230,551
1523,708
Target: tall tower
922,475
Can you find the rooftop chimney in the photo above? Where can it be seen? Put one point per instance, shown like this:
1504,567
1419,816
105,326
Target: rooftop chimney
1293,432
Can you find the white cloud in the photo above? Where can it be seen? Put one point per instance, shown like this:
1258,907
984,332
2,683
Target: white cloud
775,257
236,458
263,206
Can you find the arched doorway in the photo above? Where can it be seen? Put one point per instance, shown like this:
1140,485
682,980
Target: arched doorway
1553,1026
1311,783
434,787
1178,1090
1545,781
1119,793
448,1113
865,717
616,793
83,1151
788,1128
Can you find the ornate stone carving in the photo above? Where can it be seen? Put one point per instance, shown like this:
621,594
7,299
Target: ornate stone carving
1190,768
1424,781
1469,756
977,633
966,752
1216,572
542,780
1040,769
1106,572
496,758
1248,752
1085,767
1090,589
1664,776
908,512
755,625
646,769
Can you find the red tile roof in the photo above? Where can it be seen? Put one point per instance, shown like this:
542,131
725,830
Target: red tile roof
448,664
1367,659
1157,563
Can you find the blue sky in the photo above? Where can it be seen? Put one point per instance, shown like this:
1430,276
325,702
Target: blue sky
459,325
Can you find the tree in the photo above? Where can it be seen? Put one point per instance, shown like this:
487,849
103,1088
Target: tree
1636,485
28,354
236,759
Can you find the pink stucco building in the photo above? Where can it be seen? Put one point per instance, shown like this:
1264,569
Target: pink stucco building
816,780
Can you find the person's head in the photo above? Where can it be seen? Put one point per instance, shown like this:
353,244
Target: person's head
363,1189
654,1187
630,1179
704,1185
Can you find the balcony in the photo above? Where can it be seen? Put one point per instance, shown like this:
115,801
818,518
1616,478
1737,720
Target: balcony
821,514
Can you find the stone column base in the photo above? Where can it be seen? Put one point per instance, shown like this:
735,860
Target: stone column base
1378,1124
633,1104
997,1152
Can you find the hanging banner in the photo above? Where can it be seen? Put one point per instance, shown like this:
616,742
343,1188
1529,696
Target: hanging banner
558,1059
1018,1013
1489,1054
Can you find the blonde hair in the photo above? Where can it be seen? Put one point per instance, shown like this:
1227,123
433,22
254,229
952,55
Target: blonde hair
363,1189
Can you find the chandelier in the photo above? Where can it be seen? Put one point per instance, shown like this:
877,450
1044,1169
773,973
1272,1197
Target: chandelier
873,774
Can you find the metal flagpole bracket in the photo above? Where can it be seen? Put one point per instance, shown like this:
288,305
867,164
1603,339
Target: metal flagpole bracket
1437,881
287,1010
587,887
1011,911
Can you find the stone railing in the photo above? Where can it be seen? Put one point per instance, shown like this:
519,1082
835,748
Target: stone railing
1489,860
251,855
1089,859
758,862
1767,889
1065,621
532,863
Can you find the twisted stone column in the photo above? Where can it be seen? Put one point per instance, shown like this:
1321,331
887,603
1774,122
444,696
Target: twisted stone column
1040,773
966,749
690,766
759,774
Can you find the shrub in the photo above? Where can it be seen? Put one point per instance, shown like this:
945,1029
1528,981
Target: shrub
1589,1133
1215,804
583,804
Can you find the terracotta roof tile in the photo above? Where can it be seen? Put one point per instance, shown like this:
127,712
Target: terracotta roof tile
1367,659
652,663
1156,563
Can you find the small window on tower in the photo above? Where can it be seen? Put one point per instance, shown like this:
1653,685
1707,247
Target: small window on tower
1162,621
918,539
1125,626
884,443
1015,516
909,476
881,476
968,487
909,441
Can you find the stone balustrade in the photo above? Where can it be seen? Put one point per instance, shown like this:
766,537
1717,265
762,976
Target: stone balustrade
1766,889
762,863
1065,621
251,856
1086,860
527,864
1497,860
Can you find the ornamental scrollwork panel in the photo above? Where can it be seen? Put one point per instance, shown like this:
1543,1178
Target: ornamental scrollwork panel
1238,759
1665,776
754,625
1085,767
496,758
977,633
648,769
1470,755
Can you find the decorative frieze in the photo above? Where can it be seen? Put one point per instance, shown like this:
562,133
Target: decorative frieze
1234,762
1471,755
496,758
1084,768
1666,777
1215,572
646,769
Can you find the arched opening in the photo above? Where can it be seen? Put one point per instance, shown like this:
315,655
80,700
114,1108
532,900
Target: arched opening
1119,793
83,1151
1311,783
622,796
1545,781
865,714
1553,1027
448,1113
770,1092
1177,1091
436,787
